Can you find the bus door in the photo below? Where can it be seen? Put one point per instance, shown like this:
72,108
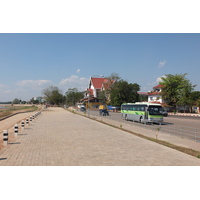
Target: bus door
146,113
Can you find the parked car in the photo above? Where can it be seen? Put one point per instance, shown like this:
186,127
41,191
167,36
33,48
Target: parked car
164,113
82,109
103,112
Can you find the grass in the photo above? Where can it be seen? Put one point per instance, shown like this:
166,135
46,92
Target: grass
167,144
15,109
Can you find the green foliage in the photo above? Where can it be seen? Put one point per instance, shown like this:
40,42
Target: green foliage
73,96
177,89
103,96
195,95
53,95
34,101
143,98
124,92
16,101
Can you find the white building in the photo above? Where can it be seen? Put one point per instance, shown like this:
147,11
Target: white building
155,96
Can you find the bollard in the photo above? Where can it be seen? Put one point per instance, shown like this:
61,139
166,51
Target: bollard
33,117
5,137
27,121
16,130
30,118
23,123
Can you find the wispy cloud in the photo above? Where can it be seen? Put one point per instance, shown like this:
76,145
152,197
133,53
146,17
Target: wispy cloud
4,89
150,86
33,82
2,86
75,82
159,79
78,71
162,64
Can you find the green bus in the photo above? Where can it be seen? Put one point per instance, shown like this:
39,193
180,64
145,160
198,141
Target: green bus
142,112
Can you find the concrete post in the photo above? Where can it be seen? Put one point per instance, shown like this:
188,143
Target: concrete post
5,137
23,124
16,130
27,121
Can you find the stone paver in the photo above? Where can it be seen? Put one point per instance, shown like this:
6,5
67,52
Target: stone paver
60,138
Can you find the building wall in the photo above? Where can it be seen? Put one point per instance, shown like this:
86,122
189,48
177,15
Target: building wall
155,98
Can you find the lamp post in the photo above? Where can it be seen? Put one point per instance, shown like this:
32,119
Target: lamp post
89,104
89,95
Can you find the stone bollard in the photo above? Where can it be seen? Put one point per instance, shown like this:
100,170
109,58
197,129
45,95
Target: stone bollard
33,117
27,121
23,124
16,130
5,137
30,118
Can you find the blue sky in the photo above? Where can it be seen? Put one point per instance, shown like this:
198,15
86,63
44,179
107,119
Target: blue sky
31,62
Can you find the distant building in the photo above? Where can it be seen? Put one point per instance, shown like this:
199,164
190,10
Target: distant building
39,99
96,85
155,96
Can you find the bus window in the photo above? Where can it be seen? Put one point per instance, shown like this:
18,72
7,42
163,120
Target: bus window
154,110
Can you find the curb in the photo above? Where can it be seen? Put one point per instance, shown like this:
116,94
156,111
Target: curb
185,115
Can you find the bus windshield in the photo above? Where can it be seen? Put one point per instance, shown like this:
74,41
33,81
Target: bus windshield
155,110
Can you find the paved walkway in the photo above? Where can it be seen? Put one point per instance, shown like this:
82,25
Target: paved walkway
60,138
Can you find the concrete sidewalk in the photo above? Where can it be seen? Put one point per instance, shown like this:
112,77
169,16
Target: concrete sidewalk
60,138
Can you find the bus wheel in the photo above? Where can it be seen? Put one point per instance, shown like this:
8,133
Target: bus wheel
126,118
141,120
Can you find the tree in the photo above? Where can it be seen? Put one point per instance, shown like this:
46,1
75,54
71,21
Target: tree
143,97
73,96
177,89
195,95
114,76
34,101
53,95
104,95
16,101
124,92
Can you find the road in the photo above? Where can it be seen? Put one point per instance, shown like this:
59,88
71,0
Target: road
183,127
183,121
193,122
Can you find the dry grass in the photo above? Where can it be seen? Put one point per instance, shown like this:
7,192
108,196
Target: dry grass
16,109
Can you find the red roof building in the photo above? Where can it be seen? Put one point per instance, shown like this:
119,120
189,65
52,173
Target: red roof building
96,85
155,96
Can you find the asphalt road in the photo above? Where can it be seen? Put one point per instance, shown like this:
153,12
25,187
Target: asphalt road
183,127
193,122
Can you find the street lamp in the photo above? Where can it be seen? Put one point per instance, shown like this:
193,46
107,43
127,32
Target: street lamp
89,96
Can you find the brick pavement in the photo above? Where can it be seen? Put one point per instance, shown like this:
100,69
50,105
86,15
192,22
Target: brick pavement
60,138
